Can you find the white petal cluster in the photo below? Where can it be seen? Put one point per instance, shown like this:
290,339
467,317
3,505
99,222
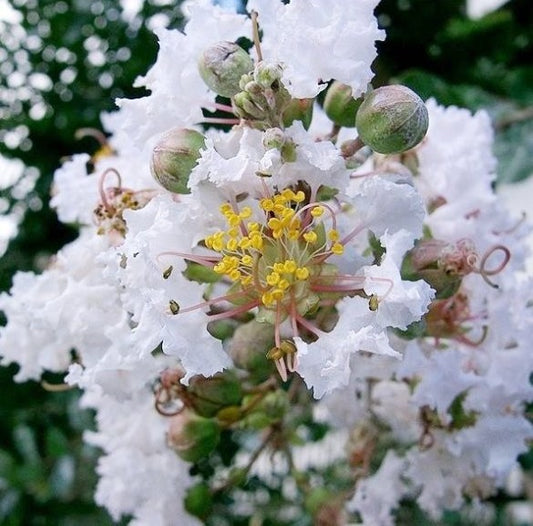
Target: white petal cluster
118,305
316,42
475,386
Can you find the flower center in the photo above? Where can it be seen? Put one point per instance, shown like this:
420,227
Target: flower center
275,259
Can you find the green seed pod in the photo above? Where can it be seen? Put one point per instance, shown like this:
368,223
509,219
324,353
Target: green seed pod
208,395
191,436
174,158
222,65
340,106
392,119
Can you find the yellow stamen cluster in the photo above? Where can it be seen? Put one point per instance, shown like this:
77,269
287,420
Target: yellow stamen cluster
269,259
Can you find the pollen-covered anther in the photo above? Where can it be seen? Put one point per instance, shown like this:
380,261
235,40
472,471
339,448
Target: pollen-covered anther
285,358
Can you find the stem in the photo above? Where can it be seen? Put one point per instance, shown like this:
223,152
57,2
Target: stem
257,42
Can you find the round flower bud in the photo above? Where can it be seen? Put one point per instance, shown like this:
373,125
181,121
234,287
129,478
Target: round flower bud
340,106
222,65
392,119
198,500
208,395
174,157
191,436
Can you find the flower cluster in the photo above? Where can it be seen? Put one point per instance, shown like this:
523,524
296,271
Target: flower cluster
235,287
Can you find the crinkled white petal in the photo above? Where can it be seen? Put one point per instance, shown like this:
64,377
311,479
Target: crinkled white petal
319,40
177,90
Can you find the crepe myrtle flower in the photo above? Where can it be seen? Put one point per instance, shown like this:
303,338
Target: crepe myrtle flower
279,258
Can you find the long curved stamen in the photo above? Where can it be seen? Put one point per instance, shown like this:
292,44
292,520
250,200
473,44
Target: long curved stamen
484,272
102,191
308,325
325,206
214,301
473,343
235,312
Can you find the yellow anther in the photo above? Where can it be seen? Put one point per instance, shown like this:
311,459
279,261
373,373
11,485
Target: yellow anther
218,244
274,223
267,298
257,242
333,235
273,278
235,275
252,226
283,284
220,268
225,208
266,204
302,273
289,266
337,248
247,260
287,194
293,233
232,244
277,294
208,242
245,213
317,211
233,220
310,237
279,267
246,280
233,232
298,197
244,243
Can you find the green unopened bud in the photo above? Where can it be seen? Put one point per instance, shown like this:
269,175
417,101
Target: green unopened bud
191,436
246,108
248,346
208,395
392,119
340,106
174,158
298,110
266,74
222,65
198,500
275,404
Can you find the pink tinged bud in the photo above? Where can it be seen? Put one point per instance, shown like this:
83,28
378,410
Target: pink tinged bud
392,119
174,157
193,437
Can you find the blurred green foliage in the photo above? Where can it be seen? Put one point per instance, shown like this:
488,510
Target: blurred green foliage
91,55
